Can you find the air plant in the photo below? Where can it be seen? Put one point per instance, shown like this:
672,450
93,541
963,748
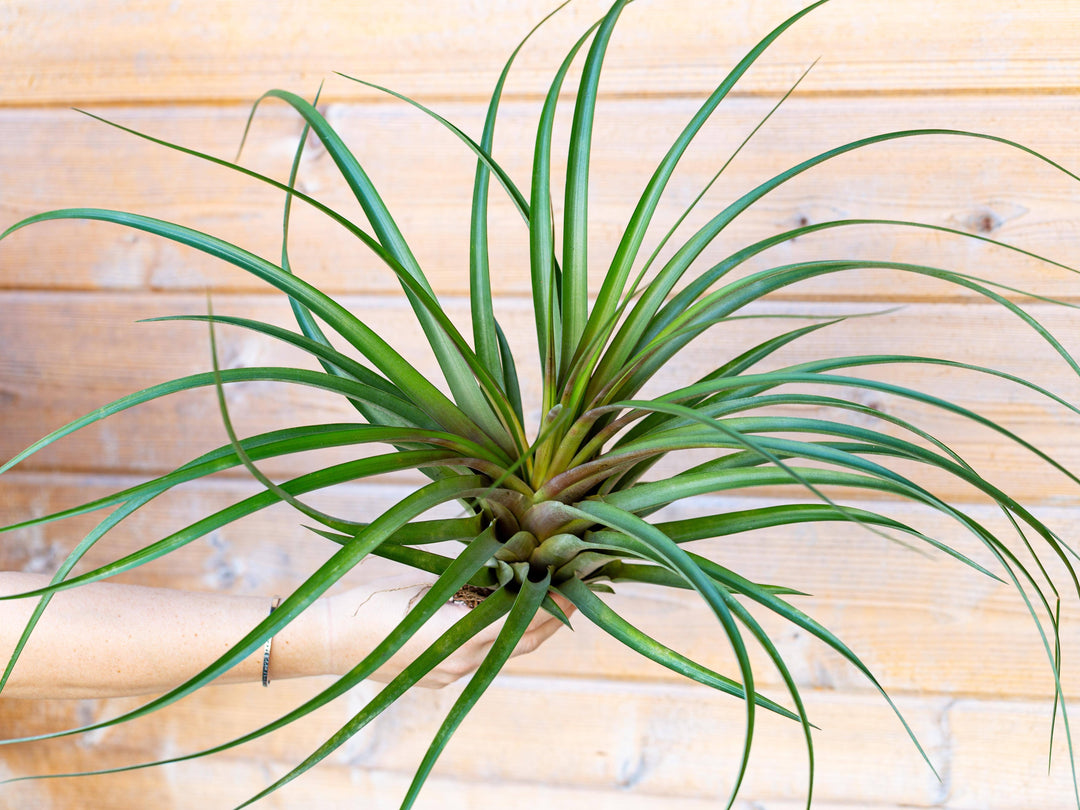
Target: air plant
572,505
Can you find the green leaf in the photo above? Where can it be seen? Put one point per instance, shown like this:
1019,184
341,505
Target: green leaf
644,312
470,560
458,375
704,236
600,614
490,342
668,553
266,445
525,607
634,234
697,287
304,319
330,572
65,568
419,390
475,620
314,379
331,476
575,287
545,274
333,361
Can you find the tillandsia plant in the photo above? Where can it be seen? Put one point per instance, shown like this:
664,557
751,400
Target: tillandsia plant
572,505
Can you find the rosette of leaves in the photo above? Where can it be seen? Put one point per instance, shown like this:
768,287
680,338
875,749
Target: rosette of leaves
569,505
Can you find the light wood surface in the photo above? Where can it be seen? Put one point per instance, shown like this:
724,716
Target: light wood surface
65,52
46,330
972,186
583,722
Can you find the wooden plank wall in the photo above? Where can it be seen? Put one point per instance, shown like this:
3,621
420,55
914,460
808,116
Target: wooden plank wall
582,723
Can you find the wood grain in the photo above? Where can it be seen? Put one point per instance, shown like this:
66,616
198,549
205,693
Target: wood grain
227,780
57,158
44,386
605,729
60,52
590,738
645,745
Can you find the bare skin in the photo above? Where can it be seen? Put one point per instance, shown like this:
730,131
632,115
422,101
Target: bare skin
107,640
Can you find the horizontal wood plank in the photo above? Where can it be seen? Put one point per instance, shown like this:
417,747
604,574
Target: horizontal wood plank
62,356
336,788
597,740
678,742
56,159
340,788
983,732
60,52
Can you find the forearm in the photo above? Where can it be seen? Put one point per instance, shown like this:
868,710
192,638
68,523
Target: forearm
104,639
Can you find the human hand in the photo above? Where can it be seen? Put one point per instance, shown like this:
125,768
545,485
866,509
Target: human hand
358,619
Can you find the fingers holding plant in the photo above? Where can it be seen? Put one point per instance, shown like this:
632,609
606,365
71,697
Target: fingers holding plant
356,620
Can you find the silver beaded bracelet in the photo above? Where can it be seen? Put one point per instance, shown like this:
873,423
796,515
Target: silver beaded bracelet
266,649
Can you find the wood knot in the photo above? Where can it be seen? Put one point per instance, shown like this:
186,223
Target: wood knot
985,222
